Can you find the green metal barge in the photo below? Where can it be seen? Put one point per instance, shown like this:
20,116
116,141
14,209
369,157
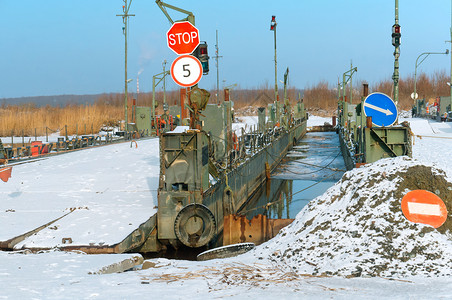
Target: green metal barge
362,142
208,172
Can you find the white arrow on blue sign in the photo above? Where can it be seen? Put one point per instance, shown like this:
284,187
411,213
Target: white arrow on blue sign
381,108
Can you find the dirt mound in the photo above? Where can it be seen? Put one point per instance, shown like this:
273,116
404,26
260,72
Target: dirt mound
357,227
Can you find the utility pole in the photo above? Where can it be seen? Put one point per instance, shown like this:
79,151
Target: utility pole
286,79
165,105
160,77
217,52
138,85
125,20
450,83
396,44
273,28
351,83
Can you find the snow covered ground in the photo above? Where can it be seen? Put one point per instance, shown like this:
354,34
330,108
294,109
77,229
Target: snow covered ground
102,192
432,142
119,171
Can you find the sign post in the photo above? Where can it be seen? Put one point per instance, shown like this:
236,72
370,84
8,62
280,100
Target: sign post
186,70
381,108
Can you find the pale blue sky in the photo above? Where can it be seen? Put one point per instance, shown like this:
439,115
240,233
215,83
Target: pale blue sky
52,47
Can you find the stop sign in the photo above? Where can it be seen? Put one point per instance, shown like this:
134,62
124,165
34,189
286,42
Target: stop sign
183,37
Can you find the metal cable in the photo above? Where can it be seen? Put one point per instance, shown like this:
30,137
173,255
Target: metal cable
321,167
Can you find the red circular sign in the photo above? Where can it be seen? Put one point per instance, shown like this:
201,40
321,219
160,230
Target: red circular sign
420,206
186,70
183,37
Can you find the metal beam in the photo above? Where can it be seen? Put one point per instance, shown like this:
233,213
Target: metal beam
382,143
162,5
346,77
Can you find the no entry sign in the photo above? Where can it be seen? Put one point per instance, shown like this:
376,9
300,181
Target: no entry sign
183,37
186,70
420,206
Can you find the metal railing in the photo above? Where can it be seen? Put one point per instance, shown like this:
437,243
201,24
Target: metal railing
39,148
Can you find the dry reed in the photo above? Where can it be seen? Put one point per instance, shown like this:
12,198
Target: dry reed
29,120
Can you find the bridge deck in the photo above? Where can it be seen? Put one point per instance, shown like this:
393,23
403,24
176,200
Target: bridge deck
90,198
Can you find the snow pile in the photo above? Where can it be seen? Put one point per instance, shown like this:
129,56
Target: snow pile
318,121
357,227
180,129
405,114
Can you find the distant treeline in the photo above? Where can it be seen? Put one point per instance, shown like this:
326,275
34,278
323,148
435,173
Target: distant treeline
324,96
320,96
242,97
74,111
58,100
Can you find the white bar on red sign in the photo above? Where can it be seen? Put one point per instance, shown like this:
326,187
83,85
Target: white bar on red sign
424,209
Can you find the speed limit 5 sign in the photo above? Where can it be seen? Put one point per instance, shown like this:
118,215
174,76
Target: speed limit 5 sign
186,70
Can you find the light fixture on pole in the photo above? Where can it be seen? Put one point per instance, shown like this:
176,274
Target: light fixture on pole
414,95
273,28
396,35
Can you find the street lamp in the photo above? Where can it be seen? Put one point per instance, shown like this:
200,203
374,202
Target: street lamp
425,54
231,86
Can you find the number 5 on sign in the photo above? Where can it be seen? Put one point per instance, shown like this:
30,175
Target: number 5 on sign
186,70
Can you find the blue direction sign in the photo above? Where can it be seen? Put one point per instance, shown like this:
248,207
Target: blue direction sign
381,108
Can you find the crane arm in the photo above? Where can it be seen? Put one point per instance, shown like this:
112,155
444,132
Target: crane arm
162,5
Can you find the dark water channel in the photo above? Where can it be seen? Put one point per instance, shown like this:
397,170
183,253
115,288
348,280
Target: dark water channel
308,170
